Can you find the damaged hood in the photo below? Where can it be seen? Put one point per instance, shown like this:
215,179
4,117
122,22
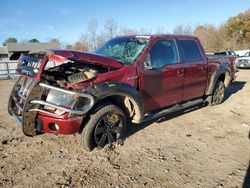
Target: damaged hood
88,58
32,66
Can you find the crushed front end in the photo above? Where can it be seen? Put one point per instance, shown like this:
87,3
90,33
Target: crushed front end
41,108
44,100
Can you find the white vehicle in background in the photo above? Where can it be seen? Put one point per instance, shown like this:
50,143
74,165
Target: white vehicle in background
241,53
243,62
225,53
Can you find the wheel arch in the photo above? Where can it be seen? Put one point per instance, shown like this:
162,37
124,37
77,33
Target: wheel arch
120,94
222,73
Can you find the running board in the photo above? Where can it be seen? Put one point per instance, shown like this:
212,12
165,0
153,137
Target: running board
172,109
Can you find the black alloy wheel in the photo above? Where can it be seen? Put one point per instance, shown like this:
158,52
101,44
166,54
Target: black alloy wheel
106,125
108,129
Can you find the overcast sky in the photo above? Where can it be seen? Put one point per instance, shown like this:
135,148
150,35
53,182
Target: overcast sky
67,19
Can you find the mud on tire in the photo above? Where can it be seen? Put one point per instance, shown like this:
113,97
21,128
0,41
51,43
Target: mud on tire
218,93
105,126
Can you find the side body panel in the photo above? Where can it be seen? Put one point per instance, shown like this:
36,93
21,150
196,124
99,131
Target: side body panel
162,87
195,80
195,74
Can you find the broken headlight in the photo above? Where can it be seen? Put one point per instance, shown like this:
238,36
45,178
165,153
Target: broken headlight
68,100
61,99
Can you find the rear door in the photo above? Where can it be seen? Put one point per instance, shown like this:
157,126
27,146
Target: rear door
195,69
162,77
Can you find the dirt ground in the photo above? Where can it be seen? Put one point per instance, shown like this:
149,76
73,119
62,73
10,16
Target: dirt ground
201,147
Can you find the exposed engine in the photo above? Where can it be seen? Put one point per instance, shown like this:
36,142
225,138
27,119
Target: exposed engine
71,72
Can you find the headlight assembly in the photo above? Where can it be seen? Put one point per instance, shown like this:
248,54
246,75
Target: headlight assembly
65,100
60,98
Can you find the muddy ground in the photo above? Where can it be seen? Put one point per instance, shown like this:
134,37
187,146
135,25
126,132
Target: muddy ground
202,147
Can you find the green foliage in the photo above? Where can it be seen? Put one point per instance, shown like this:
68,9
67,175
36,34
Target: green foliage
238,30
234,34
10,40
33,41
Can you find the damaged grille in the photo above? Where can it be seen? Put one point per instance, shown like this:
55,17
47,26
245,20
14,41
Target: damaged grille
30,97
28,65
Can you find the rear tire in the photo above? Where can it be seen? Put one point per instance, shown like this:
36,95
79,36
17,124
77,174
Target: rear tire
106,125
218,93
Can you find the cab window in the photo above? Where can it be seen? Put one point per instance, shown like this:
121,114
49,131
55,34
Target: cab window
190,50
163,53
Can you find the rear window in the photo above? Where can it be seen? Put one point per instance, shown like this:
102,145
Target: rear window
191,51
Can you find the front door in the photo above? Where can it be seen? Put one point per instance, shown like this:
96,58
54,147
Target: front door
162,78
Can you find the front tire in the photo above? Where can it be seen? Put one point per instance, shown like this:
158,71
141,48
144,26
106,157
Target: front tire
106,125
218,93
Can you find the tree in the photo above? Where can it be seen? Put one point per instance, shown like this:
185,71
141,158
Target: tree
234,34
110,28
101,39
55,40
237,30
183,30
64,45
144,31
68,46
160,30
33,41
10,40
92,32
127,31
209,37
82,44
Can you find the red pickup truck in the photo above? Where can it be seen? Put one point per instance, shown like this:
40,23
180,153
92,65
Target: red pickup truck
128,79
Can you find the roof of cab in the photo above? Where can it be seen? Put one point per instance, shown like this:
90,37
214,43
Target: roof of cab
156,36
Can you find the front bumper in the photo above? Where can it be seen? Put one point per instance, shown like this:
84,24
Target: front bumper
28,104
47,124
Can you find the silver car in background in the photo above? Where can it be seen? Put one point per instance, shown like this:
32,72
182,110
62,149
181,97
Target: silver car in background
244,61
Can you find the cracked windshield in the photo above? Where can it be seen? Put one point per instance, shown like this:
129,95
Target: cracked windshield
124,50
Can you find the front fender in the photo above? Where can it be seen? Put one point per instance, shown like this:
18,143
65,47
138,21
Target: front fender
103,90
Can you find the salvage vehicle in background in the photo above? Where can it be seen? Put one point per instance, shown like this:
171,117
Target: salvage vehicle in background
128,79
243,62
247,54
226,53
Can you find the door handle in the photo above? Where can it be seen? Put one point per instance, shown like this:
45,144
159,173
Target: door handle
202,68
180,72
